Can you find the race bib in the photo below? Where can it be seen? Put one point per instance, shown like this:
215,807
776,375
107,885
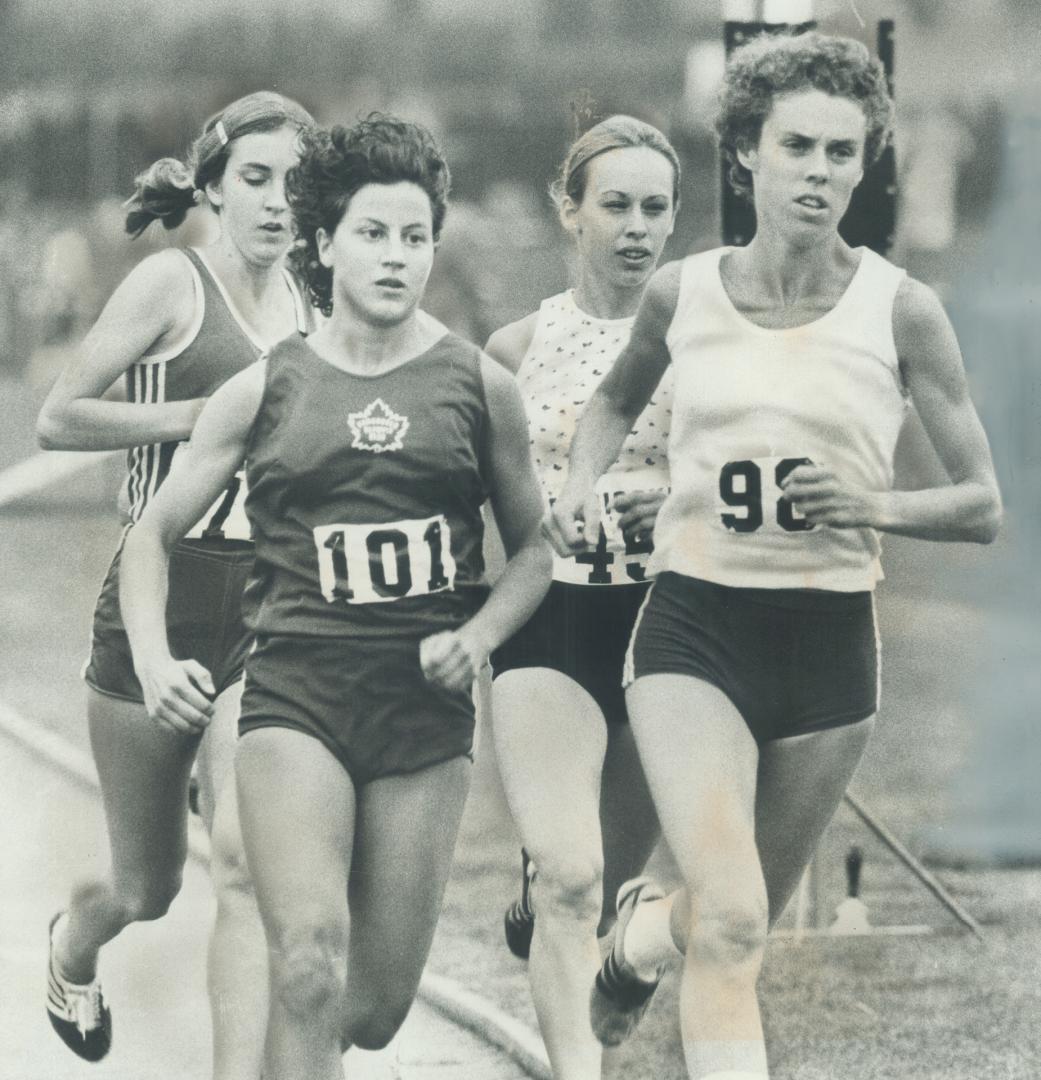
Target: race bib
376,564
751,497
226,518
616,559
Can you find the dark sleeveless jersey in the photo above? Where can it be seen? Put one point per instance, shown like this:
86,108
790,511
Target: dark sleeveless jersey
365,494
222,345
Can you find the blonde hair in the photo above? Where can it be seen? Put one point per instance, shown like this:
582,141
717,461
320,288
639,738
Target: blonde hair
614,133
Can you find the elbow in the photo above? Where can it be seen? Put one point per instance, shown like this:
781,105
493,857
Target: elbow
55,432
50,433
987,529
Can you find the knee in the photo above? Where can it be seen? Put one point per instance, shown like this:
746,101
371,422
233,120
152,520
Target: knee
374,1028
729,930
144,899
570,887
309,970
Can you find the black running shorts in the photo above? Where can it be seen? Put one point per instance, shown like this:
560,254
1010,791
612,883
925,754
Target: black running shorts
791,660
582,631
365,699
204,617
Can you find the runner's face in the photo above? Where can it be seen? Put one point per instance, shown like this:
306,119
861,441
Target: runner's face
809,160
251,194
625,216
381,252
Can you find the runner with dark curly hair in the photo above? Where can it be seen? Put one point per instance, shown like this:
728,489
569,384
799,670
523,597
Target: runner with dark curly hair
371,447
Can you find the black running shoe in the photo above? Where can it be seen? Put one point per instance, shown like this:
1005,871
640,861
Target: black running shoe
619,997
77,1012
519,920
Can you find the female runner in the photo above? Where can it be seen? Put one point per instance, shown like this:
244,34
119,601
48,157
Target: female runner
753,670
370,448
564,746
180,324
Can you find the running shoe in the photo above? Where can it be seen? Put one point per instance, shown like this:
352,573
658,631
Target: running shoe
619,997
519,920
77,1012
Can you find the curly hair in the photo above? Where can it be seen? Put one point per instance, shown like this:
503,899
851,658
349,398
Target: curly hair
614,133
335,164
169,188
775,64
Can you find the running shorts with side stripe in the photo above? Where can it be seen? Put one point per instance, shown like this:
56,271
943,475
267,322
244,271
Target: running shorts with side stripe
791,660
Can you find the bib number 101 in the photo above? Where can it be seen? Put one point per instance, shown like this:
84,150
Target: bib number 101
372,564
741,488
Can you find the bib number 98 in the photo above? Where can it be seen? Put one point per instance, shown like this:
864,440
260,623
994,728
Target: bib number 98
741,489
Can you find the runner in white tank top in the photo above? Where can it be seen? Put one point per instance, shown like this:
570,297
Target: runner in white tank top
563,743
795,347
752,403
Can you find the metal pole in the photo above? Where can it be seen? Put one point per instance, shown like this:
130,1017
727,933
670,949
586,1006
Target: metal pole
935,886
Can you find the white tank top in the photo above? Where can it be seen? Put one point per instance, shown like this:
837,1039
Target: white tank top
569,354
750,403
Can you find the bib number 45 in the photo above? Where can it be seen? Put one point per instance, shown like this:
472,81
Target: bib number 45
372,564
741,488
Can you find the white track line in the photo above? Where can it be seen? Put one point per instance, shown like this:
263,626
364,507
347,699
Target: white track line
33,474
480,1016
448,997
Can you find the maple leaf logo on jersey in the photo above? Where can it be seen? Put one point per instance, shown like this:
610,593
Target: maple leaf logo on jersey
377,428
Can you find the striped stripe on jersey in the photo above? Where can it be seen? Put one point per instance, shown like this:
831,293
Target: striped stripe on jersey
147,465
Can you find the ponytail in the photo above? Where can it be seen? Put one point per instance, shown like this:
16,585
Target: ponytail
164,192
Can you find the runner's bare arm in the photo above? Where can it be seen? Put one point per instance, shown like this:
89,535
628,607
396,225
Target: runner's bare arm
509,343
610,413
453,658
198,476
967,509
152,306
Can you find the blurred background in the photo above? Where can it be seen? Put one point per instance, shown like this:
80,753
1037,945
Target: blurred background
91,93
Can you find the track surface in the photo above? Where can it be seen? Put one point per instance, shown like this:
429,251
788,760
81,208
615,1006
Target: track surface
152,974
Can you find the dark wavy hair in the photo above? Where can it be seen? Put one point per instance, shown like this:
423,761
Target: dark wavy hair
775,64
614,133
335,164
169,188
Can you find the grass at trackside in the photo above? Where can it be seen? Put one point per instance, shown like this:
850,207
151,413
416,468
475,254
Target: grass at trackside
876,1008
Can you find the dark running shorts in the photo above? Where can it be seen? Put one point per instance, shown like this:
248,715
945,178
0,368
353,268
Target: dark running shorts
792,660
582,631
203,617
365,699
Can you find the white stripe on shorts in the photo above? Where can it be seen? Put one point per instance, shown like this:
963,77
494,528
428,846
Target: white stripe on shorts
628,668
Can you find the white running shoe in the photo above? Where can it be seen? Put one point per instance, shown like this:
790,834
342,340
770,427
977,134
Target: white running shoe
77,1012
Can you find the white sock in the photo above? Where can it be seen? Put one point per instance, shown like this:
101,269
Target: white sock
58,938
648,945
